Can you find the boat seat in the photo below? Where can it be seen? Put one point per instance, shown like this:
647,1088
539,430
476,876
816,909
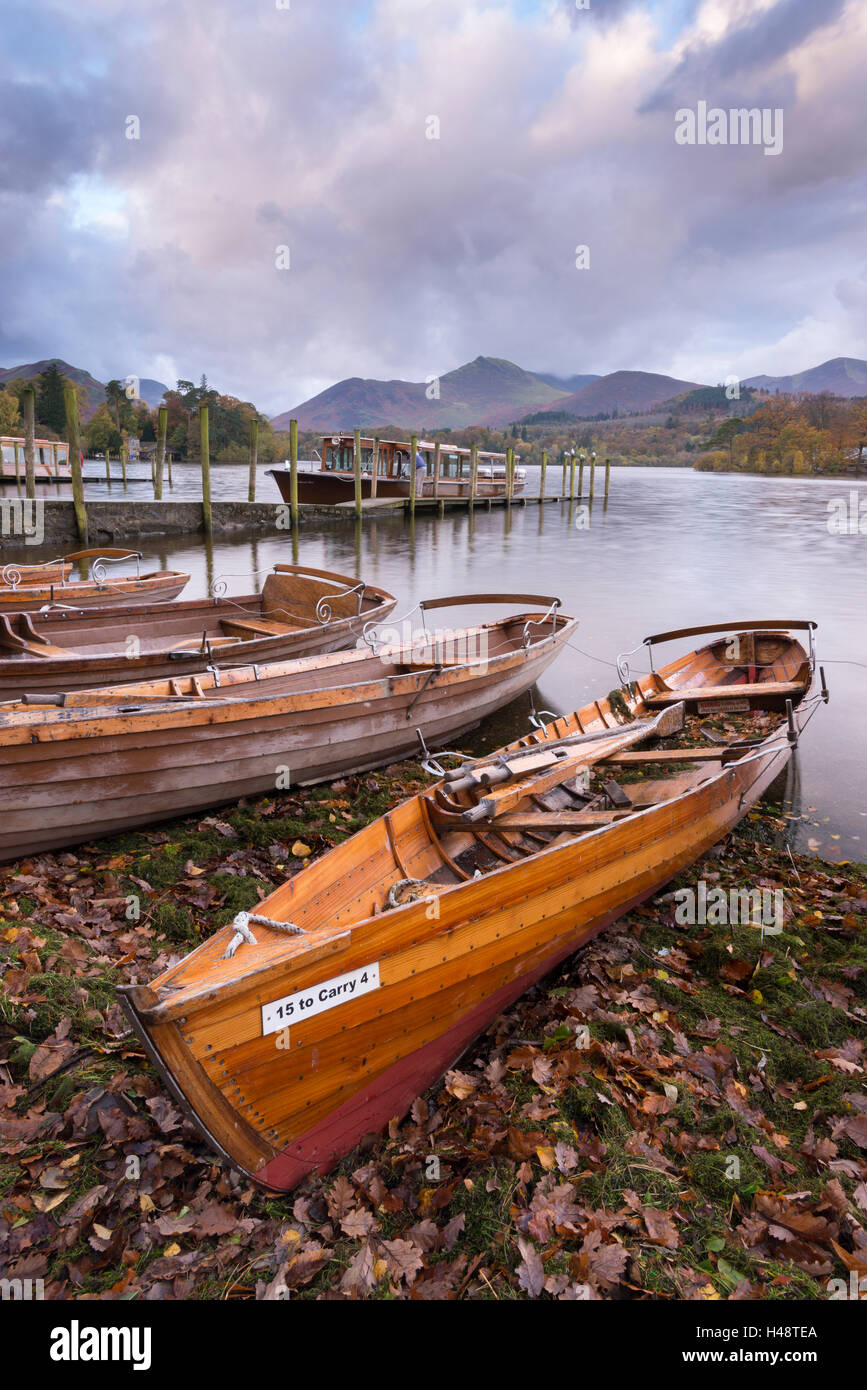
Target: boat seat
250,628
746,690
17,634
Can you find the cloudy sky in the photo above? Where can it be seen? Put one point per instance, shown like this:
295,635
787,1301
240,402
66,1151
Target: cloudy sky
299,131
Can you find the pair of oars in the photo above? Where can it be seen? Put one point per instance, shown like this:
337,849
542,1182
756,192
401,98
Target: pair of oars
542,769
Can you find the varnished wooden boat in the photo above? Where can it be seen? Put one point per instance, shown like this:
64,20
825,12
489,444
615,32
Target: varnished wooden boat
26,588
299,612
388,462
93,762
316,1020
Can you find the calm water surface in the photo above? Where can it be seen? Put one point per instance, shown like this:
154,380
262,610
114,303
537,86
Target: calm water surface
674,548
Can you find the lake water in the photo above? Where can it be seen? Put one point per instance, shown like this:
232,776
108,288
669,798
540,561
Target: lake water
674,548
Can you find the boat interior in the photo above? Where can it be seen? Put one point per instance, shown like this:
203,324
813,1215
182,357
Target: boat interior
578,774
294,598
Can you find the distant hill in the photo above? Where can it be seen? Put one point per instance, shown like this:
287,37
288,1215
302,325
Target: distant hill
844,376
623,392
77,375
487,391
571,384
151,391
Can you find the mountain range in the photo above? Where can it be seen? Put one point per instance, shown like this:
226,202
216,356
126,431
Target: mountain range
491,391
150,391
487,391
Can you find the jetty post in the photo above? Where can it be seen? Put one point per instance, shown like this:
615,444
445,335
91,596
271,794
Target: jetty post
572,475
581,462
374,470
17,470
592,474
563,487
108,465
254,459
607,477
542,479
28,400
436,472
356,468
474,475
70,401
293,474
162,430
510,476
54,459
124,457
206,469
413,450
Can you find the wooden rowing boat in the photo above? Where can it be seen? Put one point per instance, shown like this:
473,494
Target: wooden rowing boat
81,764
299,612
295,1032
26,588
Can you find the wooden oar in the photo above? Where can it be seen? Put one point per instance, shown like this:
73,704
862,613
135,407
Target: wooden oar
560,769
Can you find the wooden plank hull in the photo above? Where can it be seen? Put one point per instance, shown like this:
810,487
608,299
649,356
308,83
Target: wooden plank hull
86,593
75,773
283,1100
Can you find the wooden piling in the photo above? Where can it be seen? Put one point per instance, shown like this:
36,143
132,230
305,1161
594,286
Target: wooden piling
510,475
563,485
474,474
436,473
162,430
17,470
124,457
542,479
374,475
572,477
28,401
293,473
54,459
413,450
206,469
580,476
607,477
254,459
592,474
73,444
356,468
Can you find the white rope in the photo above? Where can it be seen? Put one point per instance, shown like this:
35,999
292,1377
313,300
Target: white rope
243,933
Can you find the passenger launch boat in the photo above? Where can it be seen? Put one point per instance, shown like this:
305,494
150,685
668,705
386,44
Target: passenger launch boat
301,1028
388,461
79,764
25,588
300,611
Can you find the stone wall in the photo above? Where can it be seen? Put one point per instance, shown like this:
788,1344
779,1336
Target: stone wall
124,521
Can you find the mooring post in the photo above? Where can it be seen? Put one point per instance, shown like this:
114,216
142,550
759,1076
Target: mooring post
28,400
607,477
162,430
73,443
206,469
572,476
169,465
436,476
254,459
108,465
293,473
413,450
563,485
17,470
580,476
356,468
510,473
592,474
374,467
124,457
544,468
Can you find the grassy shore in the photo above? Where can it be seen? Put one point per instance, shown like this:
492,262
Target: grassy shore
678,1112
